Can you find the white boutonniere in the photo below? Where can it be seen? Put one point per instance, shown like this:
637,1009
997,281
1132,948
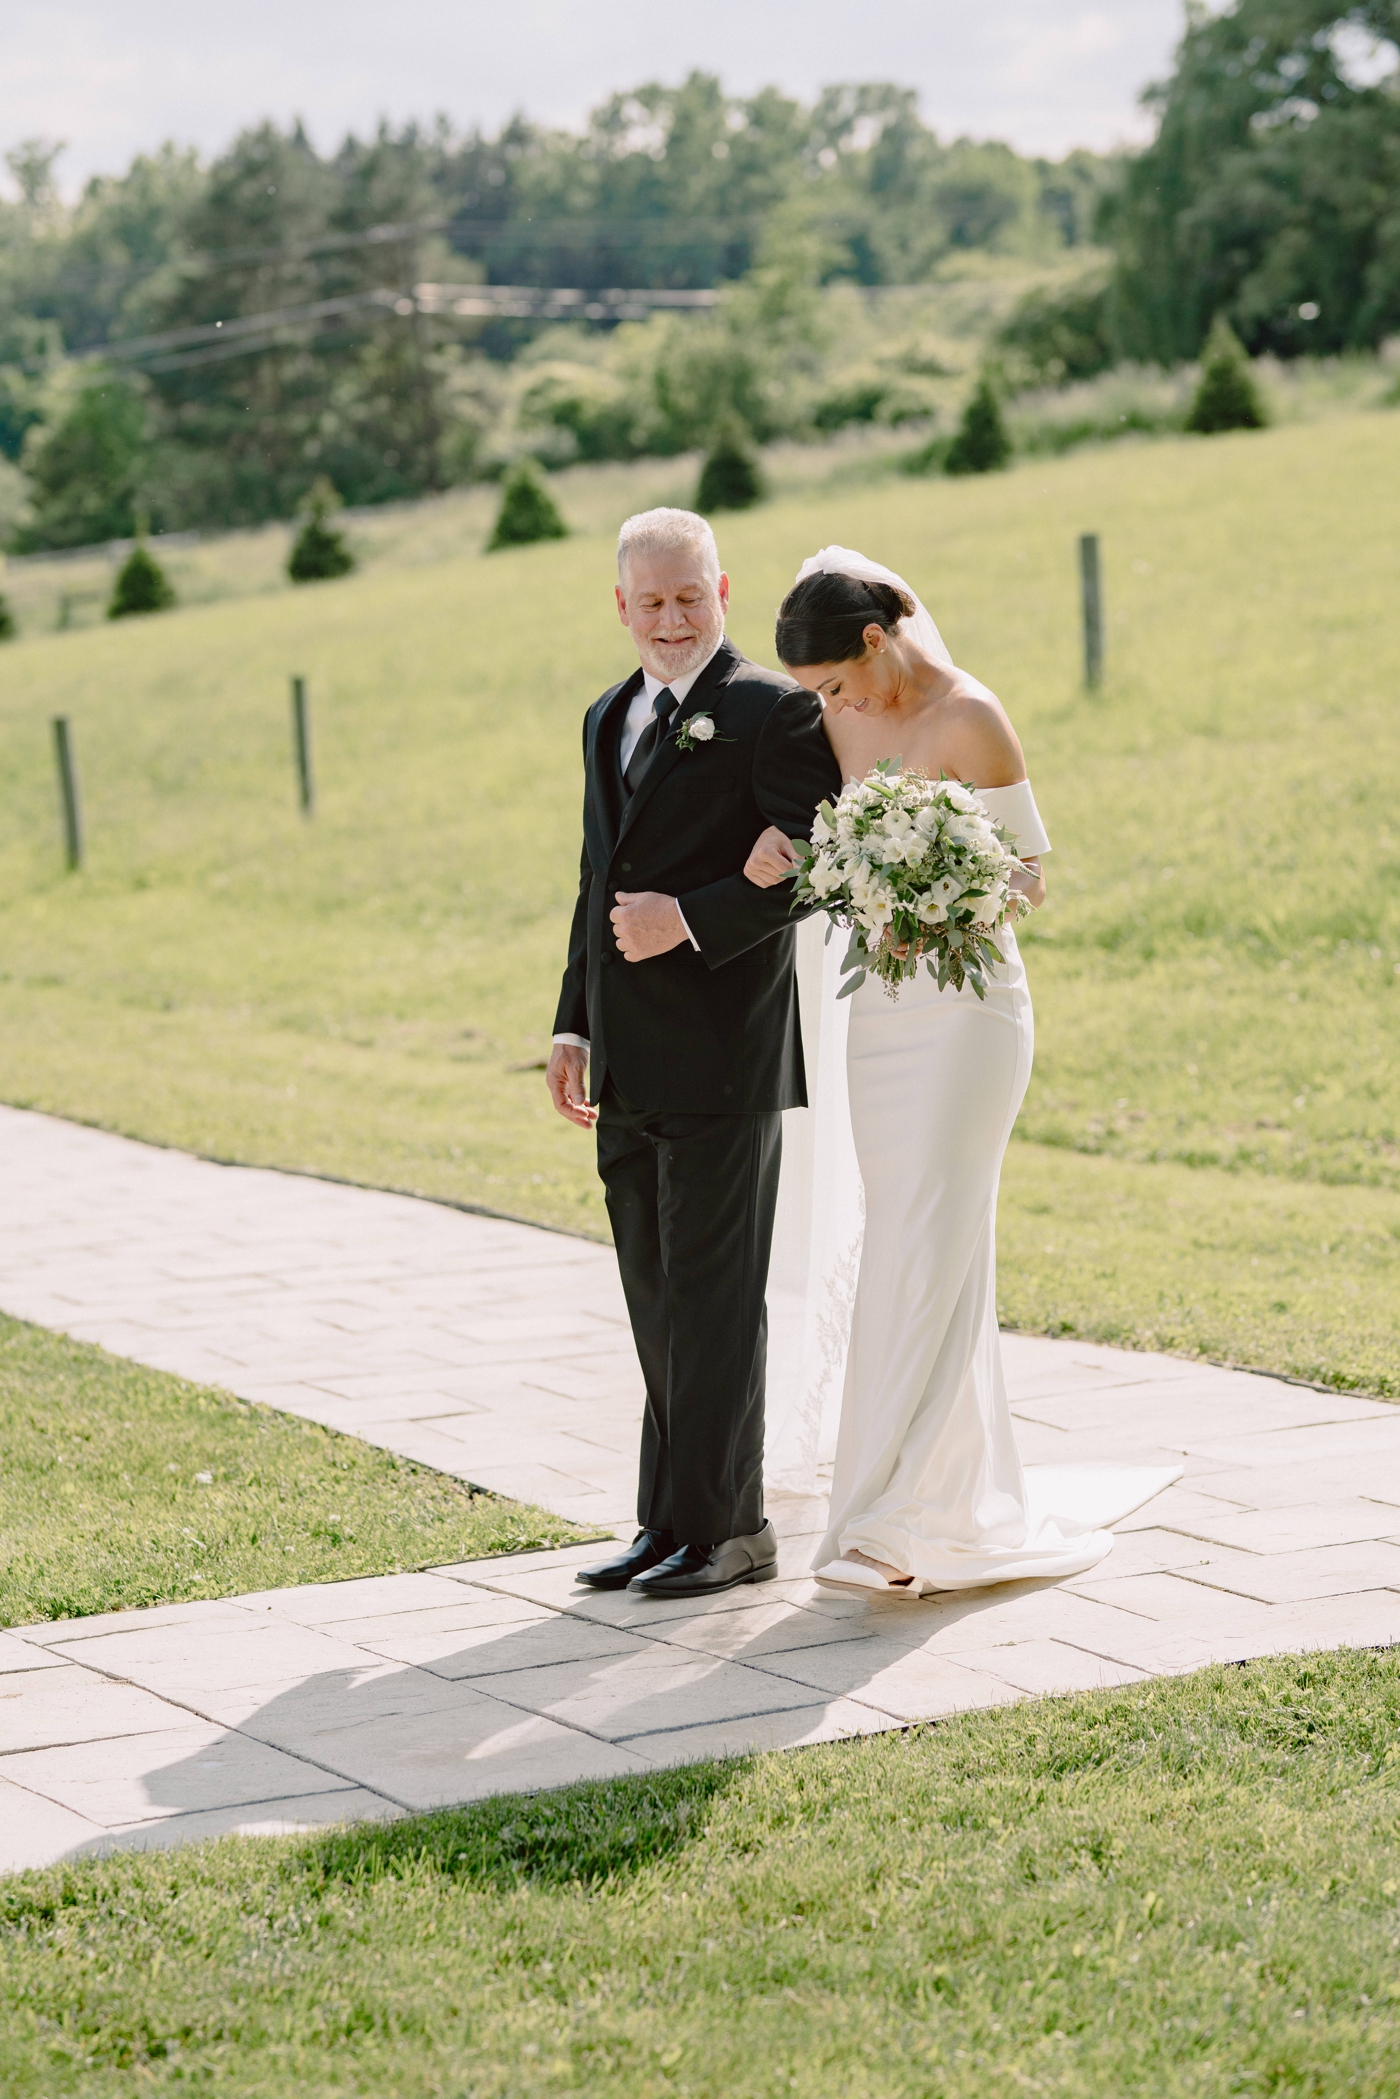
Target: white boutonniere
698,728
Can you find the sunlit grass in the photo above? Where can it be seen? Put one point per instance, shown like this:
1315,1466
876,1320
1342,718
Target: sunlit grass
124,1487
1185,1888
1215,975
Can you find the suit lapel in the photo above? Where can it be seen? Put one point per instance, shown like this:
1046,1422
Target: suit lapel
700,699
606,768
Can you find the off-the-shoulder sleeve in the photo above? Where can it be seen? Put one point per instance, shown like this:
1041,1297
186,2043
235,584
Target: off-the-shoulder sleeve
1015,807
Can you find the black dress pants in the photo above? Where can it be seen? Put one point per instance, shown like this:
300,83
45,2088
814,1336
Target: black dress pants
691,1199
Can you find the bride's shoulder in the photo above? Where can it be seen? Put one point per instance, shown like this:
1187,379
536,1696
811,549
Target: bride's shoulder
983,743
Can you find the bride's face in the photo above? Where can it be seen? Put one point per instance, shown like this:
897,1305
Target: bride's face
865,685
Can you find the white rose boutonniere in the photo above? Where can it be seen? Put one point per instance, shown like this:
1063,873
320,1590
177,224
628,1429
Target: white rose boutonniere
698,728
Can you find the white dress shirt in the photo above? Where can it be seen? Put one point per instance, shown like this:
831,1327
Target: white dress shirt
634,721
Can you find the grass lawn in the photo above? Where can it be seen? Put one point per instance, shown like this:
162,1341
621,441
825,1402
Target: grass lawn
1187,1888
1209,1158
124,1487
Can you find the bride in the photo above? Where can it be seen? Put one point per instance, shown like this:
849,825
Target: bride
929,1492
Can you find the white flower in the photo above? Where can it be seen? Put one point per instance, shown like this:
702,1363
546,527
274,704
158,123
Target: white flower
958,798
989,908
701,728
823,877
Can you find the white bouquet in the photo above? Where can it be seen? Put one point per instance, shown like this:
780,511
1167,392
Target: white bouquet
917,869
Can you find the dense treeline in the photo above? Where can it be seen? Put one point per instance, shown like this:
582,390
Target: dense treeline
665,188
1270,197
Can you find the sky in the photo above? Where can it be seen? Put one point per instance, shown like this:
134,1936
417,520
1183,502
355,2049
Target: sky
117,77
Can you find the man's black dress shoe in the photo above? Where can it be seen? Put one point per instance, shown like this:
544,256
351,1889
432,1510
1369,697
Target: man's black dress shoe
703,1570
647,1549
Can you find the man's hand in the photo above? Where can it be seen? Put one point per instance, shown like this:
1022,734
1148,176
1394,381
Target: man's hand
646,923
564,1077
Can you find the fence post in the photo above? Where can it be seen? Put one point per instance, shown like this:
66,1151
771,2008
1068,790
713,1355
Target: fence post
68,790
301,732
1091,591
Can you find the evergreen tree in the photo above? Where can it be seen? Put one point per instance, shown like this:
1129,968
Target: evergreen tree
731,478
319,550
1227,397
982,444
8,628
142,586
528,511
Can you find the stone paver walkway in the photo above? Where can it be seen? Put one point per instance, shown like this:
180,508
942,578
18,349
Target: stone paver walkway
500,1353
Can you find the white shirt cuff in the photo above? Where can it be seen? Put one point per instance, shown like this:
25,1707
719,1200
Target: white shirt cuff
688,934
574,1041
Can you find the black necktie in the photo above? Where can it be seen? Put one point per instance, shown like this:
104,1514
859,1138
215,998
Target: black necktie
662,708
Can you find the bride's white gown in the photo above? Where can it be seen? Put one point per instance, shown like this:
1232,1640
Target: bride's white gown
927,1475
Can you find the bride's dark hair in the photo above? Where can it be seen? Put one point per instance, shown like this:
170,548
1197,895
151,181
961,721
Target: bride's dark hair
823,619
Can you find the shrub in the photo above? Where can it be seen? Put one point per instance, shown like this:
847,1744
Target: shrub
731,478
319,551
8,628
1227,397
142,586
528,511
1060,333
982,444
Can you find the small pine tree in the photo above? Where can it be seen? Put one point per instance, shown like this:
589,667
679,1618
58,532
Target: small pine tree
731,478
319,550
8,626
982,444
528,511
142,585
1227,397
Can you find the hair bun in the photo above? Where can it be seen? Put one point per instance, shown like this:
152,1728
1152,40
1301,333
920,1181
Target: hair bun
824,617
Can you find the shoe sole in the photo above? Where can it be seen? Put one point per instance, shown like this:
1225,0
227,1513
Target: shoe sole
755,1574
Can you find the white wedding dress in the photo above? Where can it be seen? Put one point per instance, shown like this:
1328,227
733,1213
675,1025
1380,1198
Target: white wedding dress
888,1304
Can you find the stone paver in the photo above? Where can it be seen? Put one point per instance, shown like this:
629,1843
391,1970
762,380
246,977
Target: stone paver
501,1353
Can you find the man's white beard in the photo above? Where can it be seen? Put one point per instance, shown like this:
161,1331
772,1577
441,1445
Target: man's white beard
676,662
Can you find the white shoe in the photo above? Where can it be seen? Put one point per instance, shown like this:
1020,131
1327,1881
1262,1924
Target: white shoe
854,1574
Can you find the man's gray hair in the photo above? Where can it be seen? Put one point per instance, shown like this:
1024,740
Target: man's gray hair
669,532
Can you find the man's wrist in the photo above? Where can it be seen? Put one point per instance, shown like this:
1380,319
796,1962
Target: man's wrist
573,1041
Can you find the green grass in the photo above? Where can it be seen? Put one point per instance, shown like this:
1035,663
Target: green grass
1185,1889
124,1487
1209,1157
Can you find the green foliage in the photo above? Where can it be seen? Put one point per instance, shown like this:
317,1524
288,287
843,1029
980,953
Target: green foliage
1182,1888
125,1487
8,625
528,511
1268,192
1060,333
141,586
319,551
88,468
1227,397
731,477
981,444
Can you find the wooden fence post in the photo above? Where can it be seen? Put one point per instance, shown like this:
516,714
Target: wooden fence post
1091,591
301,732
68,790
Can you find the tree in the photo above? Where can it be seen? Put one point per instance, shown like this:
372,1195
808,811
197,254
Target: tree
319,551
89,467
528,511
141,586
981,445
1271,193
1227,397
731,478
8,627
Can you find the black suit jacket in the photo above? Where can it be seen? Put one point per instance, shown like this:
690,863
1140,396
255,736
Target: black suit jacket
716,1032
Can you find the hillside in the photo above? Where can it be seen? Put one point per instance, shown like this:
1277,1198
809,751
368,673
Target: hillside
1208,1158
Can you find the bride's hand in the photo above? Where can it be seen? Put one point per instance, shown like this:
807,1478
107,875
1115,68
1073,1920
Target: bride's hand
772,859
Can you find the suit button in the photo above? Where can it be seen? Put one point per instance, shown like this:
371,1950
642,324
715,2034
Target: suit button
607,954
729,1089
627,867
